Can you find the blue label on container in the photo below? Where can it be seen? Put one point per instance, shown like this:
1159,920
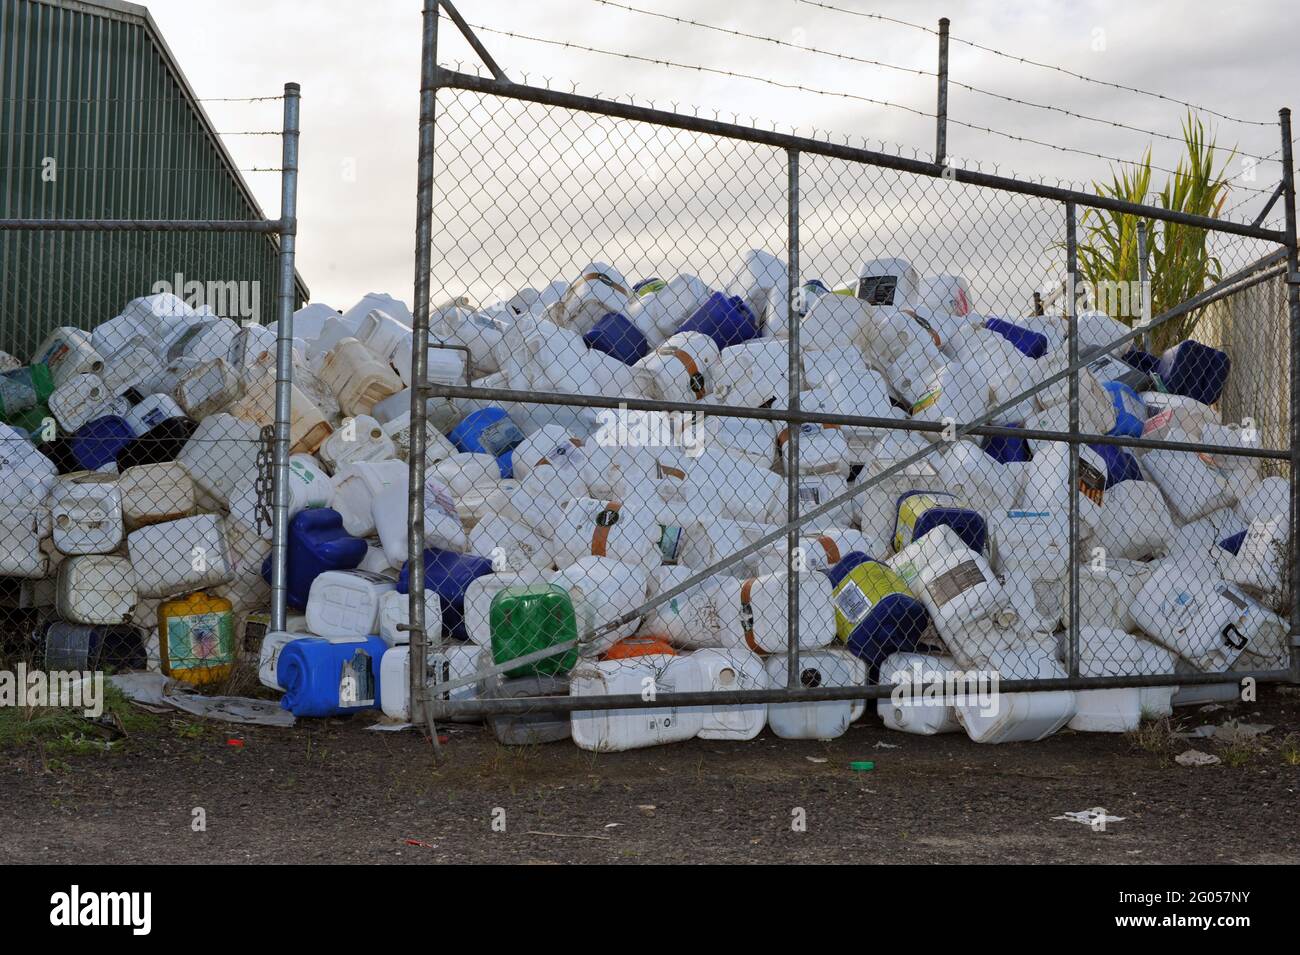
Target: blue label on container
500,437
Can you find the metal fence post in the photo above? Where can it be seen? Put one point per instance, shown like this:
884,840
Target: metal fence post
419,368
284,359
1293,315
941,107
1144,286
1072,313
794,562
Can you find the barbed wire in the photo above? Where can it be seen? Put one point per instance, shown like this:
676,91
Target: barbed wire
1046,66
916,71
799,87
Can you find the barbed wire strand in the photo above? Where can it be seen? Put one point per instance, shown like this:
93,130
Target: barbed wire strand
733,74
916,71
1046,66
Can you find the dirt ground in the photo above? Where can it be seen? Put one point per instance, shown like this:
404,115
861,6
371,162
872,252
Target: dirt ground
333,791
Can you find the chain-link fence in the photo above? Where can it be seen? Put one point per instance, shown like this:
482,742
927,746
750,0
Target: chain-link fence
756,422
143,389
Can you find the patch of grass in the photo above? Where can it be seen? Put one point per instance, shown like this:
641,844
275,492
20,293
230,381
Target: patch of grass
1155,737
27,725
1289,749
1241,752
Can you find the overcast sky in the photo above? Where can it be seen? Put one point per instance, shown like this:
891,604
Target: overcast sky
358,63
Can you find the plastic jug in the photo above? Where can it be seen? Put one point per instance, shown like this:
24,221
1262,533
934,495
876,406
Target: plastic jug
80,399
734,668
330,678
617,336
395,616
487,431
609,731
955,583
913,711
98,442
1192,488
196,638
23,389
478,601
446,662
598,290
87,516
889,282
345,603
95,589
682,367
21,530
67,352
530,618
442,525
825,719
1195,370
1205,621
175,557
1135,523
221,453
920,512
602,590
317,543
763,613
513,545
356,486
359,439
357,377
876,614
448,574
208,388
665,306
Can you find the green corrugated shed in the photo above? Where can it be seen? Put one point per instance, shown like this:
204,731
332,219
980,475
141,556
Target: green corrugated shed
89,89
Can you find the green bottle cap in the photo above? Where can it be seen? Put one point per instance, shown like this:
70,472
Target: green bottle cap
862,766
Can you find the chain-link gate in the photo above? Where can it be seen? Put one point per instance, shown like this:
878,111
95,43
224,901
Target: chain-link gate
758,421
146,426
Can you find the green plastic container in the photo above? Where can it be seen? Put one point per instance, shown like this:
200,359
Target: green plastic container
530,618
23,389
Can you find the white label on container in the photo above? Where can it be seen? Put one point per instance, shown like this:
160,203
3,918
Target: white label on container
356,681
852,603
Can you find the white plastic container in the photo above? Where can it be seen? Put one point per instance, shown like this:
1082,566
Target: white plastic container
1047,485
395,613
732,669
1261,562
598,290
80,399
1112,652
1106,591
447,662
682,367
627,532
833,320
757,275
602,590
98,589
714,477
382,333
1205,621
659,314
135,366
956,584
26,475
1017,717
201,337
695,619
827,719
1269,501
87,516
357,485
68,352
752,373
308,427
357,377
269,656
249,346
152,410
992,486
177,557
309,484
1135,522
148,317
209,387
512,546
221,453
762,614
611,731
21,555
442,526
913,712
345,603
1192,488
358,439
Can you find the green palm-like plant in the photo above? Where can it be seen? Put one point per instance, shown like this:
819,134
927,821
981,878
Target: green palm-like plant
1178,256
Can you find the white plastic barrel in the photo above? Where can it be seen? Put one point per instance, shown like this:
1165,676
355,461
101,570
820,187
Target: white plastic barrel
695,619
176,557
95,589
658,314
762,613
734,668
511,545
68,352
357,485
1134,522
956,584
624,531
395,613
209,387
446,662
478,601
913,711
357,377
1106,591
80,399
1192,488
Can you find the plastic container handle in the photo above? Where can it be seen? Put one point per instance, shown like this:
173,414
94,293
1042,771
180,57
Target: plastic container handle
1232,628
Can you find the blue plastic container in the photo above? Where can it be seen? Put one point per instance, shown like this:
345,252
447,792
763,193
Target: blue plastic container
1233,544
506,463
1005,450
839,571
1027,341
1194,370
321,678
616,336
486,431
1130,412
98,442
160,443
1121,465
894,625
728,321
317,543
967,524
448,574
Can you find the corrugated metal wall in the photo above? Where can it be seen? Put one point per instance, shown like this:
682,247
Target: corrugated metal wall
96,122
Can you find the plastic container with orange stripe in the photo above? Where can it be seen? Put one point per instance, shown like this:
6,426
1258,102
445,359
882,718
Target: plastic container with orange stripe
682,367
763,612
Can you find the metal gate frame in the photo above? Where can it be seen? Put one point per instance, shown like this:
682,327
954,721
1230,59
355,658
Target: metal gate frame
286,229
426,708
